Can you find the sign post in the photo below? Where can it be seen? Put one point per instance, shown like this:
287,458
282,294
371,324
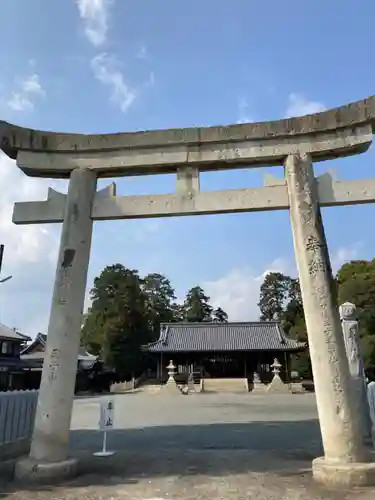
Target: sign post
106,421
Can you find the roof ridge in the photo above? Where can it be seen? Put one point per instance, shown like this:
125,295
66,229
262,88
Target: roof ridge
217,323
281,334
9,328
13,333
164,335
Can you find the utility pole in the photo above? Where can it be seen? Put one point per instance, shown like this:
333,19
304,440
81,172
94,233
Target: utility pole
1,256
3,280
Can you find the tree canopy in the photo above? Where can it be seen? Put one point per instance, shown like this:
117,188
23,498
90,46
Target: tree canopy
196,306
117,322
159,296
127,310
280,299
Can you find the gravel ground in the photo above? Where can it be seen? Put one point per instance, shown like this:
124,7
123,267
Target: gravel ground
202,446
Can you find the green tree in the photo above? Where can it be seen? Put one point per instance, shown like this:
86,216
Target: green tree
280,300
292,317
196,306
159,295
294,325
273,294
219,315
356,284
92,332
117,322
178,312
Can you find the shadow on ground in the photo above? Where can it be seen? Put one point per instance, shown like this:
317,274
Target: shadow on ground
217,450
262,436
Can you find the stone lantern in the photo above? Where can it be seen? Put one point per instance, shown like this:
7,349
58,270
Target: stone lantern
171,385
277,385
171,370
276,367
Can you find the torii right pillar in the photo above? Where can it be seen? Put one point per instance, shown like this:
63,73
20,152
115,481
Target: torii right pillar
346,461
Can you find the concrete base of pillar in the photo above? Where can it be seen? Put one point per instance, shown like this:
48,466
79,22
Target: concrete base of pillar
30,470
343,475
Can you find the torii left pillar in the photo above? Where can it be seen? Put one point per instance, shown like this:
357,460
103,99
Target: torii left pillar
49,446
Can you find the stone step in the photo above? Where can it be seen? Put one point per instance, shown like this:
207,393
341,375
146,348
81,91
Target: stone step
225,385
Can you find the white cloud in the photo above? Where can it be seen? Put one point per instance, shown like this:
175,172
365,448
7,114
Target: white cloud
345,254
31,85
106,70
106,67
30,253
18,102
24,242
299,106
95,14
242,111
238,291
27,91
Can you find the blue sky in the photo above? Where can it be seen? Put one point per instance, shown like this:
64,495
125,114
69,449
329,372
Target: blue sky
107,66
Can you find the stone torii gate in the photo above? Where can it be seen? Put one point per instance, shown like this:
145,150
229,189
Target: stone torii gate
295,143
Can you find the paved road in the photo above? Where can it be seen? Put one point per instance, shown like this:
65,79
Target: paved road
212,421
202,446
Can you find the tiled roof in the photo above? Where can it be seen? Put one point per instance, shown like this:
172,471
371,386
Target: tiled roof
36,360
210,337
41,338
11,334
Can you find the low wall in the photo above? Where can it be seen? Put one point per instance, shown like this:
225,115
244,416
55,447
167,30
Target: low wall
17,414
127,385
14,449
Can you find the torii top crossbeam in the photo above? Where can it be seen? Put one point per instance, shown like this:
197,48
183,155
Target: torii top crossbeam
337,132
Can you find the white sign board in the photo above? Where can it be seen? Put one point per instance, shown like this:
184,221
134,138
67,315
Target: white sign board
106,422
107,414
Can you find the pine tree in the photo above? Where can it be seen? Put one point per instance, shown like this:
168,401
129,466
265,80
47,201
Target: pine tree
220,316
196,306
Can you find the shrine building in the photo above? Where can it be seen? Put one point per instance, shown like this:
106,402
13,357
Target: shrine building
223,350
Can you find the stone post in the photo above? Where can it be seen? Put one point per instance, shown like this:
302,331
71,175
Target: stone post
345,462
190,384
349,323
48,455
